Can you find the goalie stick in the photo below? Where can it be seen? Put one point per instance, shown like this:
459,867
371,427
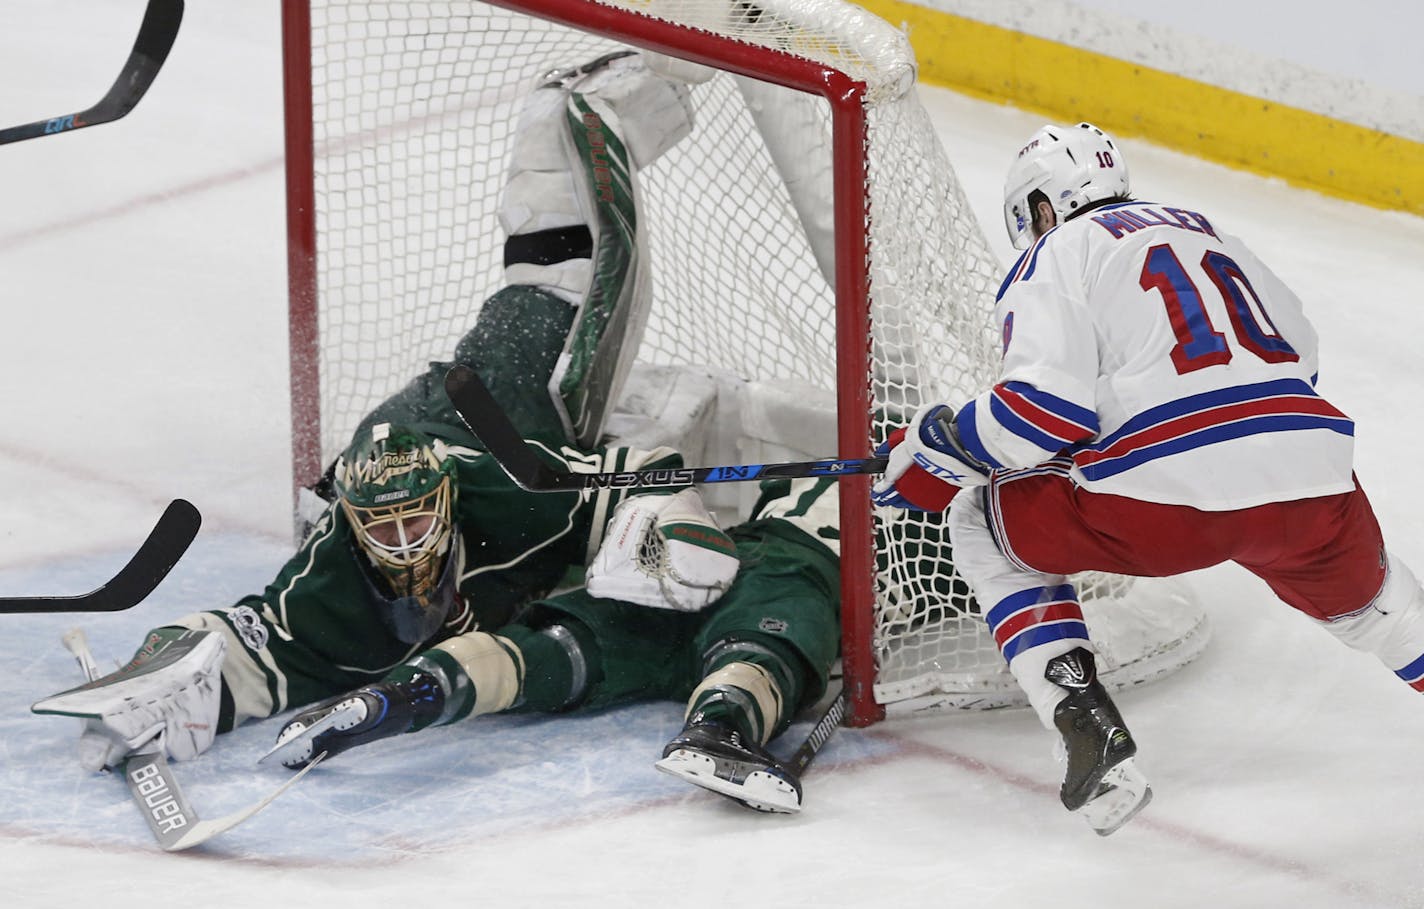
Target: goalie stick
155,789
155,39
486,419
165,545
820,733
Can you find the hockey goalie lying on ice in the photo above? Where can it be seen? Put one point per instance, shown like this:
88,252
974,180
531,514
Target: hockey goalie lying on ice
422,595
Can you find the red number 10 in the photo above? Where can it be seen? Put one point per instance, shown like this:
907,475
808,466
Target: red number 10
1199,344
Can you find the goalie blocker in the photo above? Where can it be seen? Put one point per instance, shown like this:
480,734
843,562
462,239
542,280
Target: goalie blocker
664,551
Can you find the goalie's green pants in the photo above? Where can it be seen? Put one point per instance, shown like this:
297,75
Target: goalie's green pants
784,603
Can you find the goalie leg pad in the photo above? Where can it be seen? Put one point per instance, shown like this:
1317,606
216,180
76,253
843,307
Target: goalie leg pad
542,198
551,206
650,112
594,126
170,690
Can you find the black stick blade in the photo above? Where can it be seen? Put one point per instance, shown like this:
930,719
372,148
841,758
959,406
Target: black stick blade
155,39
165,545
486,419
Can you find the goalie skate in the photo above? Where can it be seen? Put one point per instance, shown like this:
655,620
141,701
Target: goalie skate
715,757
373,712
297,743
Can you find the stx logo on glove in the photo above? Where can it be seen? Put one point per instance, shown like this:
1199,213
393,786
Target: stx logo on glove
939,470
927,464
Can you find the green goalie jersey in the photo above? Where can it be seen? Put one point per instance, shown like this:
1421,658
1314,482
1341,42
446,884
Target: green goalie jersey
312,633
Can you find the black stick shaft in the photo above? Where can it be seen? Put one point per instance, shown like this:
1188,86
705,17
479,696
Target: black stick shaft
820,733
486,419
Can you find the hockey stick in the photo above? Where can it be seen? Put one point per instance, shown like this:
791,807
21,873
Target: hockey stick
820,733
155,39
486,419
155,789
165,545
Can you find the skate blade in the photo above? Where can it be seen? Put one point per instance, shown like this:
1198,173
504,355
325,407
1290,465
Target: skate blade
761,791
298,745
1124,791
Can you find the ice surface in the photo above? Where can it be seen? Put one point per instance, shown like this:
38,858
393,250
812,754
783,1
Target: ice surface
142,357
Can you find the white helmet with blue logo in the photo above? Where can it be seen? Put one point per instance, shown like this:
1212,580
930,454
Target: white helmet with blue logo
1073,166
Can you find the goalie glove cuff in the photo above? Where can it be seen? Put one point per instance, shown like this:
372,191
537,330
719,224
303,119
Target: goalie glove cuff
666,552
171,688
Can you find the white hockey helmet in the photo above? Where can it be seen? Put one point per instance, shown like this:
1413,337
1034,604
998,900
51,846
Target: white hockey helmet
1073,166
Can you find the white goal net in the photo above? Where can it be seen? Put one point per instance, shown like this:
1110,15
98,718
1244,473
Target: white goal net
816,270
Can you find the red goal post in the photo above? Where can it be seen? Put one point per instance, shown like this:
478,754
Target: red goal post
394,145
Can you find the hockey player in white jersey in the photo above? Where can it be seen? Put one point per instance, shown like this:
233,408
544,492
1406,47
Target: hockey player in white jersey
1155,413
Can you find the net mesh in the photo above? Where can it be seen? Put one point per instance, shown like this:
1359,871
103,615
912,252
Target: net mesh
414,106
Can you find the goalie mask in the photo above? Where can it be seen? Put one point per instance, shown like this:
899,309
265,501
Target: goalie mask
395,487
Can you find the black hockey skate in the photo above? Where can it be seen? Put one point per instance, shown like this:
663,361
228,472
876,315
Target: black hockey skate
1102,783
373,712
715,756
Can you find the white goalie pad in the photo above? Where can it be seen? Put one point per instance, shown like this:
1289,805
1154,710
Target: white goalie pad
715,417
792,125
169,691
666,552
649,112
570,207
679,69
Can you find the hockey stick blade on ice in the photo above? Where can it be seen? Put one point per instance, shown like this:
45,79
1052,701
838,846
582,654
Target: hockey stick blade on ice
165,545
486,419
201,831
155,789
155,39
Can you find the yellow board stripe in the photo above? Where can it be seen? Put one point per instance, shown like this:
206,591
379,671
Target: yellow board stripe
1069,84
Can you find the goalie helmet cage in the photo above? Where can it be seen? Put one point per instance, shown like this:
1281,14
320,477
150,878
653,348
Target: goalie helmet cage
399,116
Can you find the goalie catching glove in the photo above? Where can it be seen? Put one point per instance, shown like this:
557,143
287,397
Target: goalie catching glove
928,464
169,691
664,551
